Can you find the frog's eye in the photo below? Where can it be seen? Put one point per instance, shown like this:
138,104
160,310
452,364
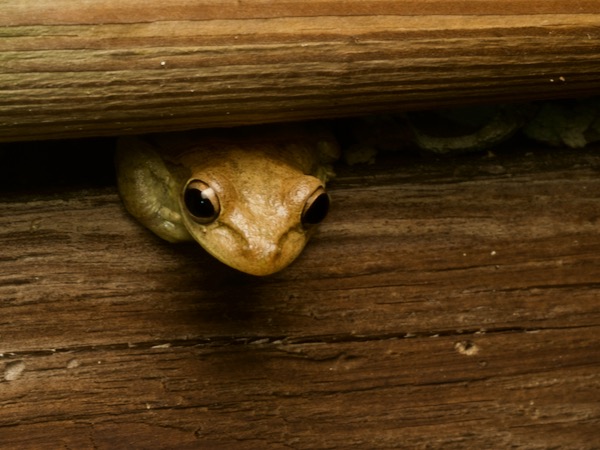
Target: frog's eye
201,201
316,208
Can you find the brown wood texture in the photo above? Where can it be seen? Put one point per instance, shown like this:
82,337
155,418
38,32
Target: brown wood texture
449,303
131,66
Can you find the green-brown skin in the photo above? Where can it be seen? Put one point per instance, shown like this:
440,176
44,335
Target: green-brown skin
265,187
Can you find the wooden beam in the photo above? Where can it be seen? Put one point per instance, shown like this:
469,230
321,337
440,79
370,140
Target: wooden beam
132,66
451,304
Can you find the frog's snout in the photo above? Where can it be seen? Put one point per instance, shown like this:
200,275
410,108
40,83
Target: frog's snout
260,257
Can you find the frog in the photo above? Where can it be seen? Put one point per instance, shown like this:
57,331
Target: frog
251,197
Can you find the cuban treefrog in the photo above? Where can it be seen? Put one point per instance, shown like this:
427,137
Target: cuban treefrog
251,196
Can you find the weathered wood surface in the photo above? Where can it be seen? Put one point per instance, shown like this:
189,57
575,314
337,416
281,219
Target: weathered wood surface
443,304
130,66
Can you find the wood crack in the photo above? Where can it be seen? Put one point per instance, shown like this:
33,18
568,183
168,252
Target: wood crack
277,341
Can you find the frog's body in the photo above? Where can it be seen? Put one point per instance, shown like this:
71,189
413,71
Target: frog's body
251,199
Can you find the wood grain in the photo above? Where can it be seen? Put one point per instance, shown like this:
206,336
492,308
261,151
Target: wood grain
131,66
447,303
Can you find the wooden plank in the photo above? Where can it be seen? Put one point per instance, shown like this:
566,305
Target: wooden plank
131,66
394,393
447,303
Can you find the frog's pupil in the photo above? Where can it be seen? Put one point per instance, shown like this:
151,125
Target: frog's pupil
317,211
198,204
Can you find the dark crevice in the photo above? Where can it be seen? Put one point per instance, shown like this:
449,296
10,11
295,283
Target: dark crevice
236,341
